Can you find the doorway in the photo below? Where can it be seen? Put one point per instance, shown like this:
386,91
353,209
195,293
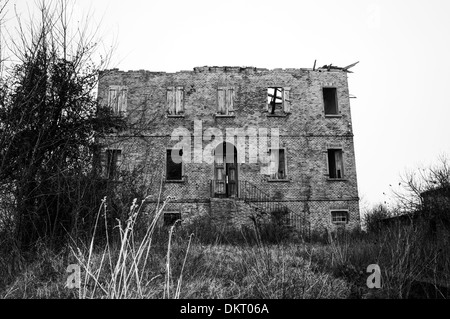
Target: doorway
226,171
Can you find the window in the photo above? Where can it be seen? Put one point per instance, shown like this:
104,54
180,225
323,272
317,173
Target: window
174,170
278,164
225,101
278,100
117,99
113,161
339,217
175,100
335,164
170,218
330,101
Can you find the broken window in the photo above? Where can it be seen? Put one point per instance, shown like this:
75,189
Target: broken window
112,163
339,217
330,101
171,218
335,164
279,102
117,99
278,168
175,100
174,165
225,100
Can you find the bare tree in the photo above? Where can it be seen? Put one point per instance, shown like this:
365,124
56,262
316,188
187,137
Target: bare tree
3,6
414,183
425,192
50,120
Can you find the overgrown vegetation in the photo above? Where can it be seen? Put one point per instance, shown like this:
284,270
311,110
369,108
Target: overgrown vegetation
49,124
412,265
176,263
170,263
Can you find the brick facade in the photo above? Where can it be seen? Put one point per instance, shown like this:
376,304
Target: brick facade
306,134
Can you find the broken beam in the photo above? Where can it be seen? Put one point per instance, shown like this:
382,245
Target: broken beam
350,66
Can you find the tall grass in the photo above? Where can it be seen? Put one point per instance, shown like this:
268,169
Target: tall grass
119,270
412,264
201,261
130,268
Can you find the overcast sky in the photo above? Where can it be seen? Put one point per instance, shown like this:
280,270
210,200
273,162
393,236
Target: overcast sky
402,111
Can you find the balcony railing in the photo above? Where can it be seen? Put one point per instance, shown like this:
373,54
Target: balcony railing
261,201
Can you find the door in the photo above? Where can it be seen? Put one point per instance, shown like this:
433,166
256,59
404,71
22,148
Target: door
225,172
220,177
231,179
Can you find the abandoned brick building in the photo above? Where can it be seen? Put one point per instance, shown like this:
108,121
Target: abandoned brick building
301,161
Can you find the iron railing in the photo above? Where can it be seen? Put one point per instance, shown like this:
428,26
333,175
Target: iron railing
261,201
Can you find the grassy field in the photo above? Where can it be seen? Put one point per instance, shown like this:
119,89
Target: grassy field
181,263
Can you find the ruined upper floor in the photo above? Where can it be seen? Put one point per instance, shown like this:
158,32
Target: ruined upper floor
298,101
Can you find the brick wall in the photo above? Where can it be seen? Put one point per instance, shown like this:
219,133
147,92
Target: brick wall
306,133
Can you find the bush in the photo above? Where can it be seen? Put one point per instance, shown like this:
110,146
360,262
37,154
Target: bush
373,220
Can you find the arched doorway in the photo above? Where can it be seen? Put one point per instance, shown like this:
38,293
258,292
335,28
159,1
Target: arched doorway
225,171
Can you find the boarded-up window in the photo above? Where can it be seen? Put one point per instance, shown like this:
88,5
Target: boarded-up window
117,99
225,100
174,166
278,164
278,100
335,164
112,163
339,217
175,100
287,100
330,101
